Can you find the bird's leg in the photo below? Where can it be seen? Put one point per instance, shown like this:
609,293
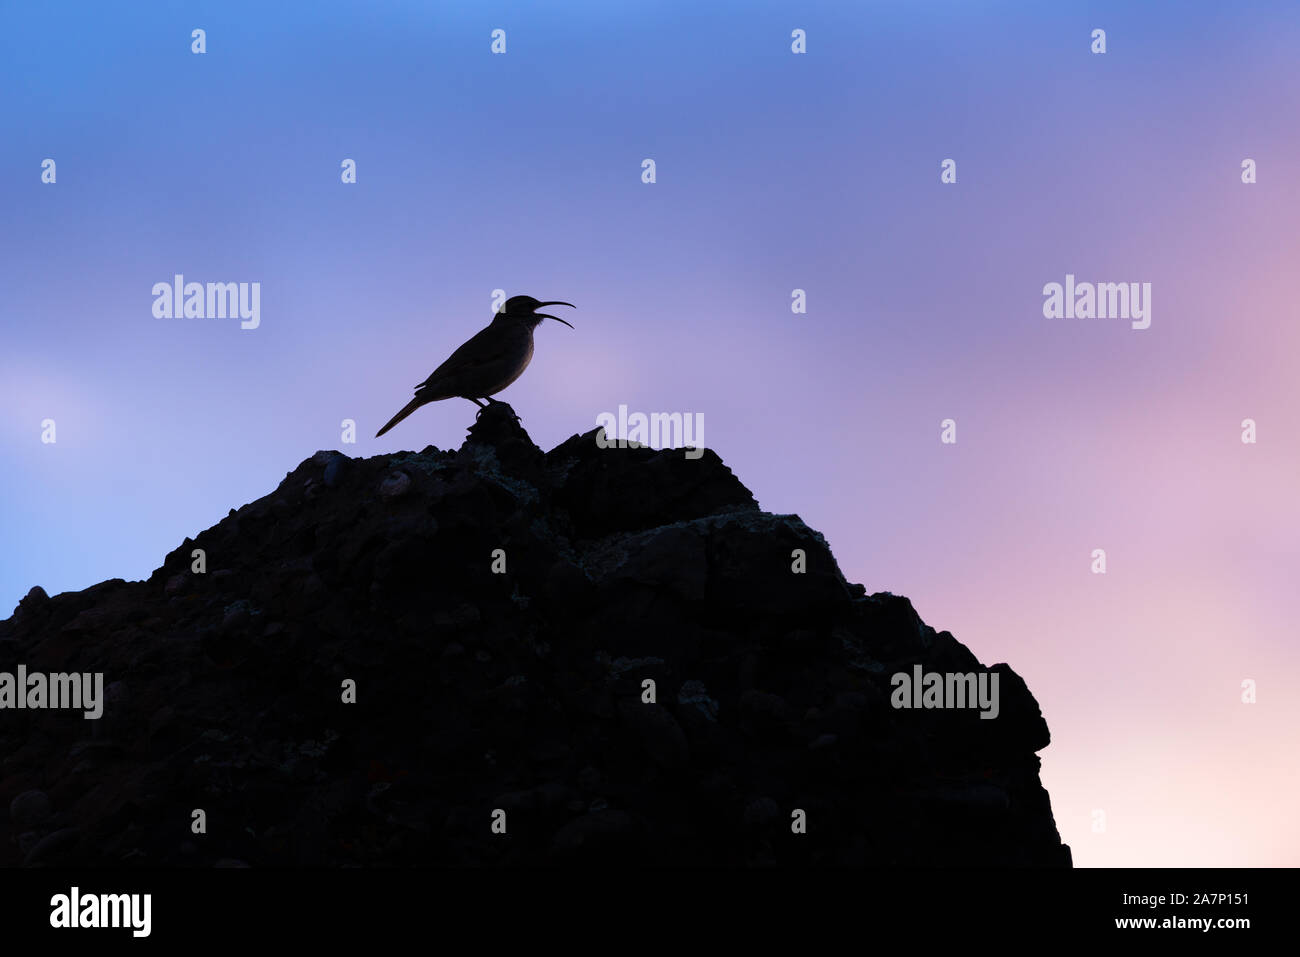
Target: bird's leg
491,402
483,408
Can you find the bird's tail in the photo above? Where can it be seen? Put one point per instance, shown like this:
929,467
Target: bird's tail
406,410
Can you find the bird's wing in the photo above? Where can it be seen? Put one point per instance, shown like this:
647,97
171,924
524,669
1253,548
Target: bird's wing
483,347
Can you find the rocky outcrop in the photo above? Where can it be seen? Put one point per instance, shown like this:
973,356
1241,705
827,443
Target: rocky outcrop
611,653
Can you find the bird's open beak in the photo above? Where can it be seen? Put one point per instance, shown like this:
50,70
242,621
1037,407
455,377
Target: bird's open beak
556,318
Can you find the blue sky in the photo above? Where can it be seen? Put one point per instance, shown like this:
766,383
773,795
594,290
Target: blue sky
775,171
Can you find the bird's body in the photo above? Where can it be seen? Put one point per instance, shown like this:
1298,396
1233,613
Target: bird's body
492,359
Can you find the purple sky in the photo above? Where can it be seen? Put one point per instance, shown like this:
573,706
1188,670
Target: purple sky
775,171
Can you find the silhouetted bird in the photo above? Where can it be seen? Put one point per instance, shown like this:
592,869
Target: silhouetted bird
487,363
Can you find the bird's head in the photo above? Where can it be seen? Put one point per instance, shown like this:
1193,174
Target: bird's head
525,308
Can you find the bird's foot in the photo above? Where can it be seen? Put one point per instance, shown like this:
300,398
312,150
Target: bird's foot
496,407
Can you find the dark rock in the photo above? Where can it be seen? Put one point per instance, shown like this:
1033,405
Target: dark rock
34,604
54,849
599,836
761,810
334,468
523,691
694,695
658,732
30,809
395,485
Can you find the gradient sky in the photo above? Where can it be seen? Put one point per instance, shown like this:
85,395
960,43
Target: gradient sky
775,171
